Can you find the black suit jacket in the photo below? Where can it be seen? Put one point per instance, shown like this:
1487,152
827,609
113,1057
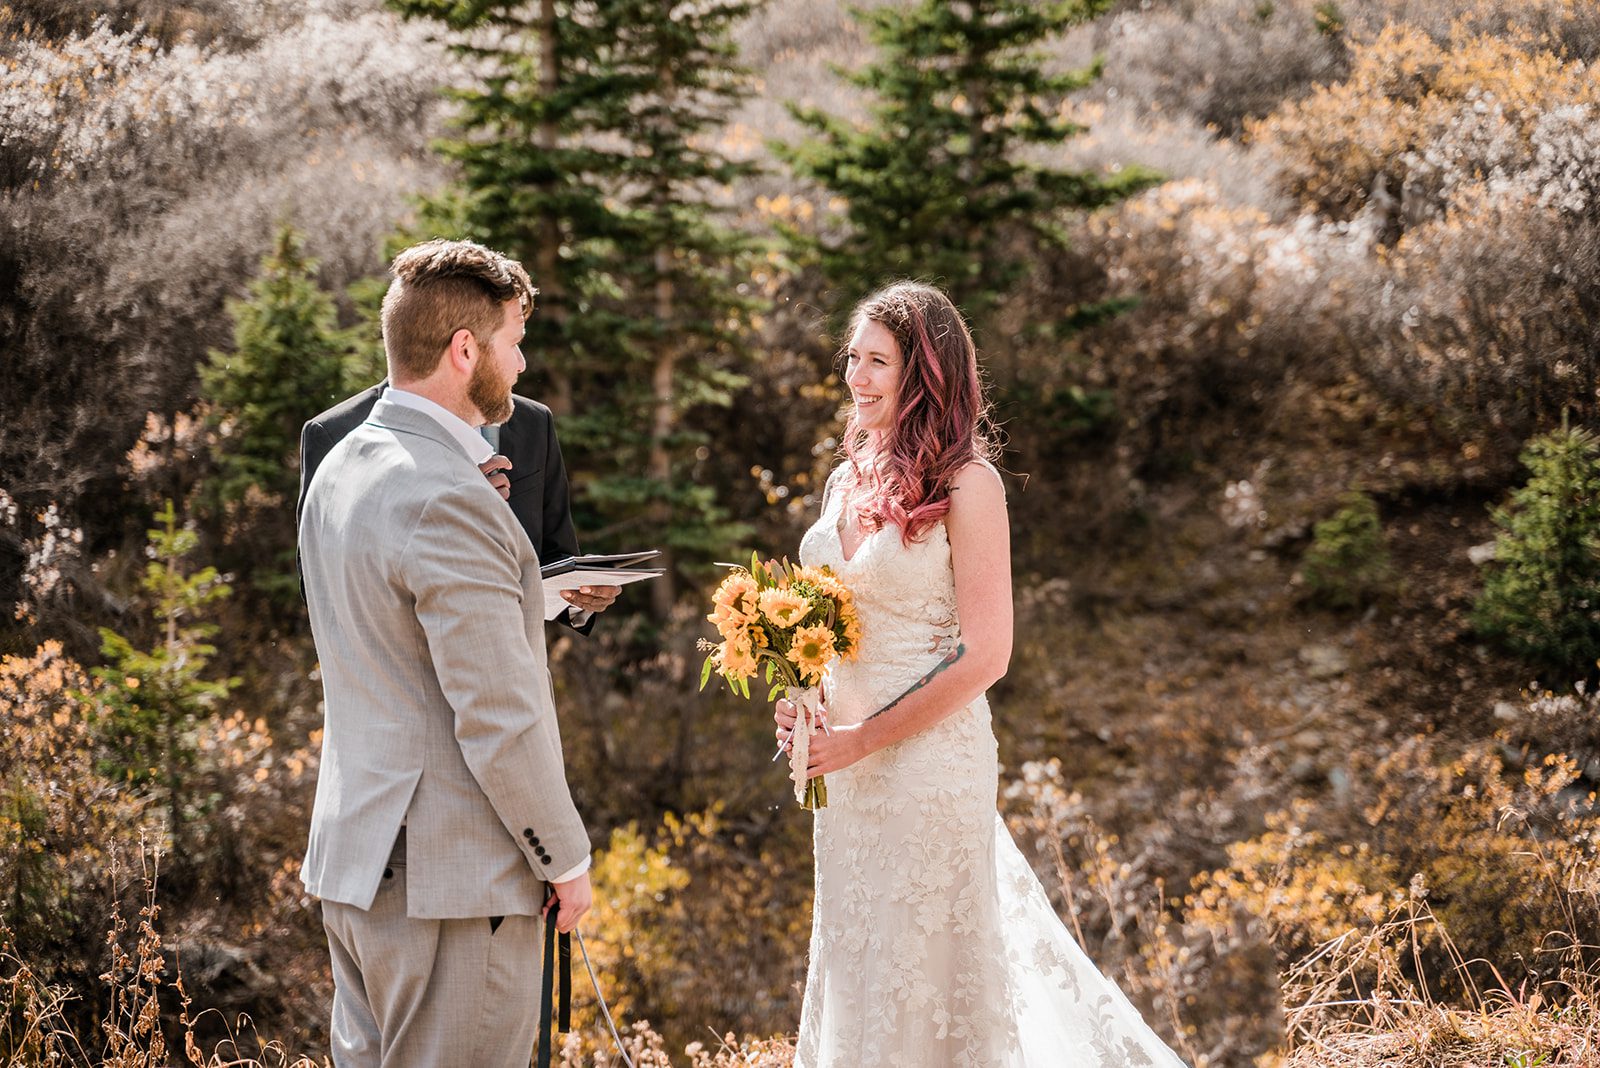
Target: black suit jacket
528,439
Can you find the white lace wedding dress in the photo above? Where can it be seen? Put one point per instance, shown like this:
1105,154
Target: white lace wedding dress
932,942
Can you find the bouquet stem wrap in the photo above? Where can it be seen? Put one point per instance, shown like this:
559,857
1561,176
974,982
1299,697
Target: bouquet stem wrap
811,793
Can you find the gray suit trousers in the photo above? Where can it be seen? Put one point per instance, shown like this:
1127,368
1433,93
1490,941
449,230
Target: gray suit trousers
412,993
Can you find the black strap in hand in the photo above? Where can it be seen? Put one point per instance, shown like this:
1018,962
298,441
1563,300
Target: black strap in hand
553,948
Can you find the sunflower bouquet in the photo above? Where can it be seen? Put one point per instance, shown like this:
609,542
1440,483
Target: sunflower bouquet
788,623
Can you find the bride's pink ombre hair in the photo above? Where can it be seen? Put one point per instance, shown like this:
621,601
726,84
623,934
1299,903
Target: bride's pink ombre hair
940,422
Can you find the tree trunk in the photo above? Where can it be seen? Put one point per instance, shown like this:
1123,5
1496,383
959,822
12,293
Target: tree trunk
547,240
664,590
169,709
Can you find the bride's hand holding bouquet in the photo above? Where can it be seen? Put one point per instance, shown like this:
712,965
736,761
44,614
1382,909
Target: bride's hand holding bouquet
791,623
834,749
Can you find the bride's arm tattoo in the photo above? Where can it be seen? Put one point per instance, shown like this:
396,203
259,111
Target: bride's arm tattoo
960,651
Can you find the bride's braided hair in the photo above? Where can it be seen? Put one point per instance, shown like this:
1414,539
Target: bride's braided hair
941,421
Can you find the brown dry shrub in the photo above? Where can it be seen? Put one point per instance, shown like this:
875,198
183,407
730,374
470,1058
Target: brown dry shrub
1209,991
1354,1003
1222,62
1490,316
696,924
145,1007
1230,307
648,1049
1229,62
60,820
1509,861
63,823
1442,272
1416,119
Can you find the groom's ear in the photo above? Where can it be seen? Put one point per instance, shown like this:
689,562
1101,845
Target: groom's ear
463,350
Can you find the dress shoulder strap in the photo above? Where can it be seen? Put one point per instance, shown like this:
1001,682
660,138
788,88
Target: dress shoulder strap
836,479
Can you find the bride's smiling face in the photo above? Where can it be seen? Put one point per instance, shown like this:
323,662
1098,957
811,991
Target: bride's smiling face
872,371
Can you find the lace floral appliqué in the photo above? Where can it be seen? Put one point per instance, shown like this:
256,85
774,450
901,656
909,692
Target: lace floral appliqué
932,942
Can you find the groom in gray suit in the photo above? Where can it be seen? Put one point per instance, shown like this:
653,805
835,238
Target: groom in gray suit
442,811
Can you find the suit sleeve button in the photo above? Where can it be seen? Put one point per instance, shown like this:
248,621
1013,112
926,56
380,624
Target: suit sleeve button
527,832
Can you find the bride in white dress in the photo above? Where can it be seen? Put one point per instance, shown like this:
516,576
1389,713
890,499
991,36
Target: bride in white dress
933,943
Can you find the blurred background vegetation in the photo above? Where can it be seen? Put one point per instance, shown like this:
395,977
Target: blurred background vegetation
1291,313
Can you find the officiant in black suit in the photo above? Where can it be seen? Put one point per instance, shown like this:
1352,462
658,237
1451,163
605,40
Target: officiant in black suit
526,469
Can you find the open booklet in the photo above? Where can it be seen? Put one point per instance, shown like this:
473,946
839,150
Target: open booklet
572,572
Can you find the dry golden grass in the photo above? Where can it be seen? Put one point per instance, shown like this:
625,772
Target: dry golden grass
1389,1020
146,1009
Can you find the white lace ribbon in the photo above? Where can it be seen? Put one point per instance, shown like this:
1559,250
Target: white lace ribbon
806,700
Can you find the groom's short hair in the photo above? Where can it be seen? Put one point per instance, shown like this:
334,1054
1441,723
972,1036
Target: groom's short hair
440,287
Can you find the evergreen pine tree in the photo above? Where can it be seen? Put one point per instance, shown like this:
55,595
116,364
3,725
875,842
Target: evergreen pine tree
587,153
287,364
678,266
534,182
367,364
289,361
155,700
1542,596
936,186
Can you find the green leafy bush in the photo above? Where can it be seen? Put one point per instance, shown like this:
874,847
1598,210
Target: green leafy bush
1541,600
1348,564
156,700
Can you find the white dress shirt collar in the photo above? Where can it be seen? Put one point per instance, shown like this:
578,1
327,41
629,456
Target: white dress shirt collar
478,450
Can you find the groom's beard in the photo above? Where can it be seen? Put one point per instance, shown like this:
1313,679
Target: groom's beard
490,394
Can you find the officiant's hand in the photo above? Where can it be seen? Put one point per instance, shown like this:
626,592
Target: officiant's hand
576,897
592,598
495,468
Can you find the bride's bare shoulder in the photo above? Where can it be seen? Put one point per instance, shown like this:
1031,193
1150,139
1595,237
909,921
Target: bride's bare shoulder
977,504
979,481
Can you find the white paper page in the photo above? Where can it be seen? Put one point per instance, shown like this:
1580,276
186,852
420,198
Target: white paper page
555,604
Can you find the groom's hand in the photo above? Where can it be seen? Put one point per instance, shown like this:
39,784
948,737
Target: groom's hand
495,468
576,897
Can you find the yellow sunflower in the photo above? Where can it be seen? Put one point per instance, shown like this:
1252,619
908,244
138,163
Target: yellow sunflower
813,575
831,586
784,607
852,635
737,657
734,604
811,651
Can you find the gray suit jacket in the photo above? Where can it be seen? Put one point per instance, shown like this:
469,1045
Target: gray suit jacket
538,498
426,607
